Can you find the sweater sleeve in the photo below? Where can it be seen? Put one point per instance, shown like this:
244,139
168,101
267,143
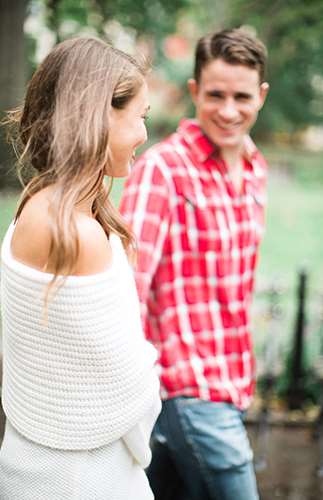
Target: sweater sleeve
137,439
146,207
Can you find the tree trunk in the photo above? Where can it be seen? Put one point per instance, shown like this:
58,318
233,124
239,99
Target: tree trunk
12,76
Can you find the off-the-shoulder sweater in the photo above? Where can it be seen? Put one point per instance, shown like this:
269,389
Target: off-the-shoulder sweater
84,376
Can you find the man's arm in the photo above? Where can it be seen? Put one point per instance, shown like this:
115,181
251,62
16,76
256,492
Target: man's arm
145,205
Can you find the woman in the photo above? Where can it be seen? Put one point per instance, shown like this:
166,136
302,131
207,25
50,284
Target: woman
79,389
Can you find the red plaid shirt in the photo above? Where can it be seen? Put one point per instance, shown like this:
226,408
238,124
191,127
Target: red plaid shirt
198,240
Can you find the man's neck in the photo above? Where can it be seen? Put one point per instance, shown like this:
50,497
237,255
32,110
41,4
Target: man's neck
233,159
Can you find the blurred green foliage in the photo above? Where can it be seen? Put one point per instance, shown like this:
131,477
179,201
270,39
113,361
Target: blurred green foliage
154,18
292,31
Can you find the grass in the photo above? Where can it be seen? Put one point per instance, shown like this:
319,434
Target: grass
294,230
293,241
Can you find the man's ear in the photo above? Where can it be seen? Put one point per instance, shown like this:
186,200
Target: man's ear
264,89
193,89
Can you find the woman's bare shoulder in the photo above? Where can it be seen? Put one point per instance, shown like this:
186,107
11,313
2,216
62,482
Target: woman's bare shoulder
31,240
95,253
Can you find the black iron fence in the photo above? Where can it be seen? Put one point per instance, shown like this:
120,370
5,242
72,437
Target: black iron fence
289,350
288,338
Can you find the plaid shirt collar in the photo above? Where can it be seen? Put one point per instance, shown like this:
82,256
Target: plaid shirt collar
203,148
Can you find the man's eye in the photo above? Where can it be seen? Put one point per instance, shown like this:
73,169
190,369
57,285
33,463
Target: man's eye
243,97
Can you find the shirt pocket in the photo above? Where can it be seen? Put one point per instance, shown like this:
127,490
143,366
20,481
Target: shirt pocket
203,224
256,206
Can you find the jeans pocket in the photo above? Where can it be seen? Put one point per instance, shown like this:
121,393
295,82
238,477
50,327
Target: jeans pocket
216,433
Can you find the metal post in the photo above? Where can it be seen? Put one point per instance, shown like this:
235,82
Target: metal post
296,392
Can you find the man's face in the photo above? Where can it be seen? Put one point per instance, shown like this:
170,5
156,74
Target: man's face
227,100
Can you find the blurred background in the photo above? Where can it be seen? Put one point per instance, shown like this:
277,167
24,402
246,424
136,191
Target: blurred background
288,308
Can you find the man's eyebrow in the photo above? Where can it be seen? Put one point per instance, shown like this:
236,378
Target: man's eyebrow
243,94
217,93
214,92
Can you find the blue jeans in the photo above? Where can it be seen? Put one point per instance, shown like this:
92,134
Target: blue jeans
201,451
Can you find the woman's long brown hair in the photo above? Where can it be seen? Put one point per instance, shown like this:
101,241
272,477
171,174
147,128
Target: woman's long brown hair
62,137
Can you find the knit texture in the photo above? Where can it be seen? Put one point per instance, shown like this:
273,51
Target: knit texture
85,377
29,471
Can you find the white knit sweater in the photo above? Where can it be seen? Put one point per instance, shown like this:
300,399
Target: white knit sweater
84,378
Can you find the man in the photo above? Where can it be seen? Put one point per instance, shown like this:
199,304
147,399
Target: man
196,204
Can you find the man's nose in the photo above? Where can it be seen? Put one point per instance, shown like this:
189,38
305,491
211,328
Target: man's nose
228,111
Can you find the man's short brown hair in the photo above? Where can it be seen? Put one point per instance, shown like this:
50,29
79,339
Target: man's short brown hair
234,47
